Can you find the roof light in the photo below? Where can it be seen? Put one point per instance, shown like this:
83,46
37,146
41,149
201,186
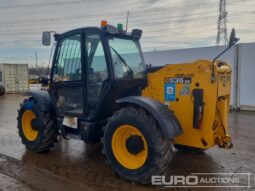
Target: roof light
120,26
103,23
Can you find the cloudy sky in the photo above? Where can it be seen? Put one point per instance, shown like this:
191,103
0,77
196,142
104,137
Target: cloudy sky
167,24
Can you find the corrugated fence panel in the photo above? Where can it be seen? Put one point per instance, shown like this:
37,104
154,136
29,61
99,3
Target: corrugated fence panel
247,76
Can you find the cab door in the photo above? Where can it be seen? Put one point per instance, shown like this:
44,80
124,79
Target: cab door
68,84
96,67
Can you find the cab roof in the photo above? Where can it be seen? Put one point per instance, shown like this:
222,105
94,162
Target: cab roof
108,29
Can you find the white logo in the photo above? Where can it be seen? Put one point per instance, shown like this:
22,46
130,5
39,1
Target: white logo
237,180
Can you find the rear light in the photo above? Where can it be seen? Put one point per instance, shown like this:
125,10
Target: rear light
103,23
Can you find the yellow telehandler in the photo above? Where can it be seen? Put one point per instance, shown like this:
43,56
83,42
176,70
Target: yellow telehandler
100,89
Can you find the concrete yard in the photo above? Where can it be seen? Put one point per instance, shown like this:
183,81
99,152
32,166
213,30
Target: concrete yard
74,165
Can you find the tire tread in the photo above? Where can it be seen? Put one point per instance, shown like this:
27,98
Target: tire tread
162,147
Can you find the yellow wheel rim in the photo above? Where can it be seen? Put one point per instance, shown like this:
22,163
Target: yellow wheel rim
123,156
27,129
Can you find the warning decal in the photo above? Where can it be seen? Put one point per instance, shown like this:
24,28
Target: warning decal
170,92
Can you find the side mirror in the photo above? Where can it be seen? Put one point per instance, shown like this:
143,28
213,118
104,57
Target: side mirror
43,80
233,39
46,38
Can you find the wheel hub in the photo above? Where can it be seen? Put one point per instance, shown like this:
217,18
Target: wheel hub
129,146
28,123
134,144
35,124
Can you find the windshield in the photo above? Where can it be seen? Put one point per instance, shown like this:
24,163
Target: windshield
126,57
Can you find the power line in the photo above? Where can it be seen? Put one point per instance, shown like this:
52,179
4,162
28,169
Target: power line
142,25
159,20
61,3
156,20
14,6
22,31
142,21
134,14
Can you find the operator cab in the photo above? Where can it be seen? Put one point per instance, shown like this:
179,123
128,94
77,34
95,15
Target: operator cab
93,66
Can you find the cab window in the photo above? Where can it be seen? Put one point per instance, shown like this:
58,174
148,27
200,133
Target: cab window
126,57
68,60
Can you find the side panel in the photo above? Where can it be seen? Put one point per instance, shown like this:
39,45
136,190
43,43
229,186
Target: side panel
161,58
22,77
173,86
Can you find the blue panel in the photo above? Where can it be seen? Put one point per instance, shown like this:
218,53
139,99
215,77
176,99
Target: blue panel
170,92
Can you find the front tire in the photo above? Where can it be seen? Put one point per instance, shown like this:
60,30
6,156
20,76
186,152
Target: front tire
134,146
37,129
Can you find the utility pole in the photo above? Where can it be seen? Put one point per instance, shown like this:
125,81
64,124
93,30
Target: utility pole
36,62
127,21
222,34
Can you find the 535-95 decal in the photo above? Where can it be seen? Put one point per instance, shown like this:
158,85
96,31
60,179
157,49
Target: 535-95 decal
178,80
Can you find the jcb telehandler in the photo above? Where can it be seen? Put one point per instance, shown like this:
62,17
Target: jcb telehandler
100,89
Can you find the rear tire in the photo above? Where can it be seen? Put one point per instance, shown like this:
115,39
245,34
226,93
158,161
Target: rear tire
41,135
2,91
158,148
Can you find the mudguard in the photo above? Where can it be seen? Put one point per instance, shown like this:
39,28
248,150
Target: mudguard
166,118
42,97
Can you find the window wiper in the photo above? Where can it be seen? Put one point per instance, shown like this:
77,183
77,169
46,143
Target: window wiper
123,61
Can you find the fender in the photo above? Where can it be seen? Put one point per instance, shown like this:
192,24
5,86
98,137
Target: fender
168,123
43,97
